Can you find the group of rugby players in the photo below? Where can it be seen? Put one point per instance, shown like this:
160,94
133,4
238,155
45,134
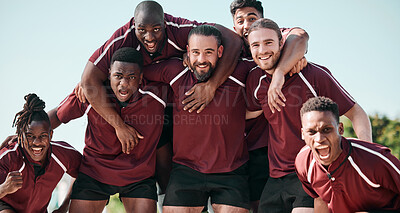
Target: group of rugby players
209,116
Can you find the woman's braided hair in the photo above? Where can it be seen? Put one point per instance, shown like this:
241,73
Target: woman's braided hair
33,110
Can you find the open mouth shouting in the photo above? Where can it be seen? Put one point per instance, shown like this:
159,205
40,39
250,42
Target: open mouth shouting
323,151
37,150
151,46
123,95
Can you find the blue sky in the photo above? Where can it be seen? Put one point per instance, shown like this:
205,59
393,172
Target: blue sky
44,46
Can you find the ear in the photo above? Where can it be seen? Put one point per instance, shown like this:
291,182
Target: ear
140,78
220,51
302,134
187,49
234,28
51,135
109,73
281,43
341,128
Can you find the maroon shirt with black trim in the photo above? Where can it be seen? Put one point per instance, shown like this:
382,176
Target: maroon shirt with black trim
176,31
213,140
35,194
103,158
368,180
284,141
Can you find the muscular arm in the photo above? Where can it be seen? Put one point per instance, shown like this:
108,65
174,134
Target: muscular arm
361,122
201,94
291,57
92,84
54,121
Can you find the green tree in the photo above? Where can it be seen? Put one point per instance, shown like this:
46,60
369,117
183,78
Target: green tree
384,131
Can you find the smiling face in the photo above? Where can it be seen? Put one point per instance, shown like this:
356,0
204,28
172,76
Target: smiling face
36,140
150,30
243,19
203,53
265,48
125,79
322,133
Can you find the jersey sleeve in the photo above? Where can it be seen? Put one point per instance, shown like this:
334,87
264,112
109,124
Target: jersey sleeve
301,171
329,87
4,165
179,28
253,104
123,37
164,71
71,108
74,163
67,157
390,174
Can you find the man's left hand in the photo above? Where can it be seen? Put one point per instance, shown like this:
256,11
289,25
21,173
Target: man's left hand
198,97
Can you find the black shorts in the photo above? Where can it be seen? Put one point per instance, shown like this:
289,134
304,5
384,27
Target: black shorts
167,131
283,194
88,188
4,206
188,187
258,172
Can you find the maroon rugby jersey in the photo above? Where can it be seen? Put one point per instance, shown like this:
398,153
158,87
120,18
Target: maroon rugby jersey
35,194
213,140
103,158
176,31
368,180
284,141
256,129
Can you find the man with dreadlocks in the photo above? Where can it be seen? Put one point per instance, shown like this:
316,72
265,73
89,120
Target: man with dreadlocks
31,165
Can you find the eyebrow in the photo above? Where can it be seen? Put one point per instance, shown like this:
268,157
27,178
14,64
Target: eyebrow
154,25
248,14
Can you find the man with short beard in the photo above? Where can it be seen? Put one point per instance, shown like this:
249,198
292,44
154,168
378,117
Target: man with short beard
244,13
209,151
283,191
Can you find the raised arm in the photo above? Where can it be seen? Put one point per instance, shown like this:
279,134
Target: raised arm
361,122
92,84
54,121
291,58
202,93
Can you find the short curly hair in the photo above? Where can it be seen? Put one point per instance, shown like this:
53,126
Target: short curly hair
321,104
128,54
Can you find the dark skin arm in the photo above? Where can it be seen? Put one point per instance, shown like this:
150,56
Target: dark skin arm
95,93
201,94
291,60
54,121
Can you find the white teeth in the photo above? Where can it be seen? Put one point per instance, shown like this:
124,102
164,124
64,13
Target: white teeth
324,157
265,58
37,149
322,147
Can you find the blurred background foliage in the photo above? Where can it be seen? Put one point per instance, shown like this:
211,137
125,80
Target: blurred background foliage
384,131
